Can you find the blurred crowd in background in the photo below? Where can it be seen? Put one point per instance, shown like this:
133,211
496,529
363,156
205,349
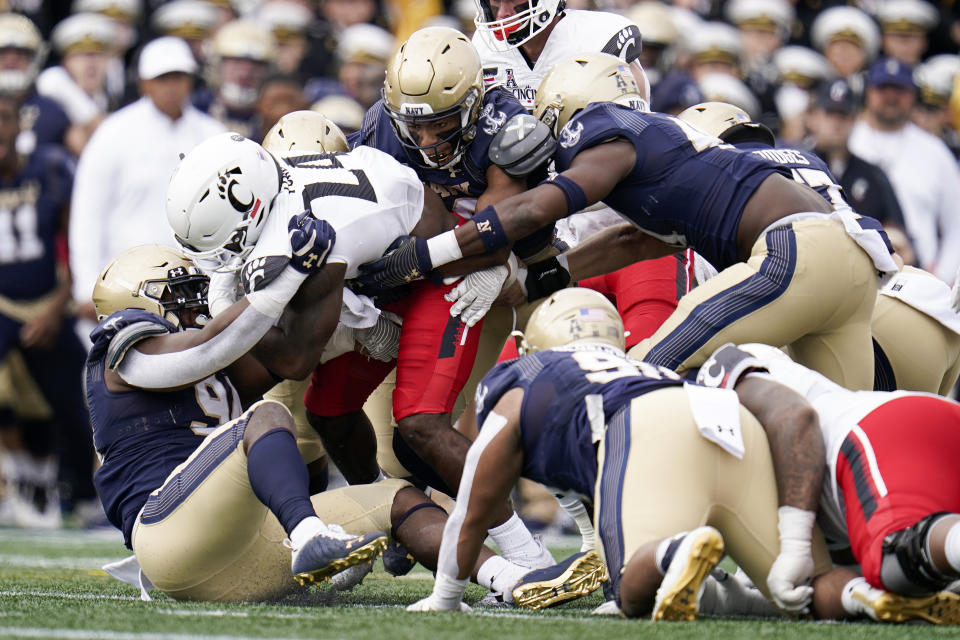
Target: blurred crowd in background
121,87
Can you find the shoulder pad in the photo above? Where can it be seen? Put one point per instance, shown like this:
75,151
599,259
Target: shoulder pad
726,366
115,335
522,145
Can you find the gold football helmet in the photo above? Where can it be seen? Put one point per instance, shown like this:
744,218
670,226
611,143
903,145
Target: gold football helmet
306,131
728,122
237,82
573,316
580,80
17,32
436,74
152,277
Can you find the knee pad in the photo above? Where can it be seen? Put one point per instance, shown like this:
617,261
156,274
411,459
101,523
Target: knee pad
906,567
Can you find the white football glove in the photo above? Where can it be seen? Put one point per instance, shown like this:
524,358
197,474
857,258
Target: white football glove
475,294
447,596
955,293
792,572
432,603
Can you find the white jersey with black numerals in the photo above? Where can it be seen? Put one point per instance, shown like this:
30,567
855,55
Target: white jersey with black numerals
577,32
839,411
367,197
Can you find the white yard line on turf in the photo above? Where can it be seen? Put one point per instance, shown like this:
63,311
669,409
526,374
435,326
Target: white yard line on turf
96,634
44,562
65,595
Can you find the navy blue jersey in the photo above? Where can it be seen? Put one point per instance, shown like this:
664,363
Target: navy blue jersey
569,395
46,119
686,188
141,436
31,204
468,178
805,167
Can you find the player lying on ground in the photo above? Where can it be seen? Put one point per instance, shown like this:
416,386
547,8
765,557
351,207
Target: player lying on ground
205,491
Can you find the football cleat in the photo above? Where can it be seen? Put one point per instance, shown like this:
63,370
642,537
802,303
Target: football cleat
351,577
939,608
695,557
332,551
397,561
579,575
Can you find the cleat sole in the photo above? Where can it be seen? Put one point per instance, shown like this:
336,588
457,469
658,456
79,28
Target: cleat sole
581,578
939,608
680,600
367,553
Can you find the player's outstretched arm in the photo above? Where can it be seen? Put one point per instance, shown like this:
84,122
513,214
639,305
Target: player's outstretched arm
493,466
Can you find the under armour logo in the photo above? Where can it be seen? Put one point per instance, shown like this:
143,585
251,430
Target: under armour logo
308,263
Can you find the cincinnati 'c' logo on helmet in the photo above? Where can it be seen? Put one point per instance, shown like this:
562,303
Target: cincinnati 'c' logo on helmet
226,187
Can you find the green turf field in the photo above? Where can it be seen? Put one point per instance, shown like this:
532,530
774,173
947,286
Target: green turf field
51,586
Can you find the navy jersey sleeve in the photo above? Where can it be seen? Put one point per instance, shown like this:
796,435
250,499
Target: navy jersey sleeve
596,124
502,378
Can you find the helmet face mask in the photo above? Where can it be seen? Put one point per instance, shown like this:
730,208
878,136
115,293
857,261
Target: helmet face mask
436,75
219,198
515,30
154,278
451,142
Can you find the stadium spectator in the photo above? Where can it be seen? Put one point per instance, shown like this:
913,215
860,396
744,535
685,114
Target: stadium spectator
904,25
118,195
865,185
923,172
849,39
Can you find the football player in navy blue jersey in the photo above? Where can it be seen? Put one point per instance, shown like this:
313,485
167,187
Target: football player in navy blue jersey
578,414
204,485
793,270
34,291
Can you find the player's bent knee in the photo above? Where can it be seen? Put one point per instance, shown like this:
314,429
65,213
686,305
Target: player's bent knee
423,427
266,416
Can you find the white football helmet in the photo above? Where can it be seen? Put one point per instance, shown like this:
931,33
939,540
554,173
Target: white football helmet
219,198
18,32
304,131
513,31
574,316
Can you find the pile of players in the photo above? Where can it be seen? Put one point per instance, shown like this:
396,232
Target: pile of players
423,246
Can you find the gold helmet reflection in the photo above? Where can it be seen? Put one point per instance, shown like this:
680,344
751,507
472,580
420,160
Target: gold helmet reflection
154,278
580,80
573,316
304,131
435,74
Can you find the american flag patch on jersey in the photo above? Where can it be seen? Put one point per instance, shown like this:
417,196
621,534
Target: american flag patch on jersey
489,74
592,315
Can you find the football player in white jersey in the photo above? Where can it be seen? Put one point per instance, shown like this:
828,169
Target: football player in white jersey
890,489
230,201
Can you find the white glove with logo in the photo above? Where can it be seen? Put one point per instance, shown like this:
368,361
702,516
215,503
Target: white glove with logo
447,596
475,294
792,572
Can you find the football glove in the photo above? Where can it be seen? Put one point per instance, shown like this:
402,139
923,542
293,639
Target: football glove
310,241
406,259
382,340
792,571
474,296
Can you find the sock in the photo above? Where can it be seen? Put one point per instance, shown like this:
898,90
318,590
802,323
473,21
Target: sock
500,575
855,606
279,477
665,550
952,547
575,509
306,529
515,540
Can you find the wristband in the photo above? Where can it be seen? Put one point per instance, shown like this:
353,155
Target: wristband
576,198
796,528
448,591
444,248
271,300
491,230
